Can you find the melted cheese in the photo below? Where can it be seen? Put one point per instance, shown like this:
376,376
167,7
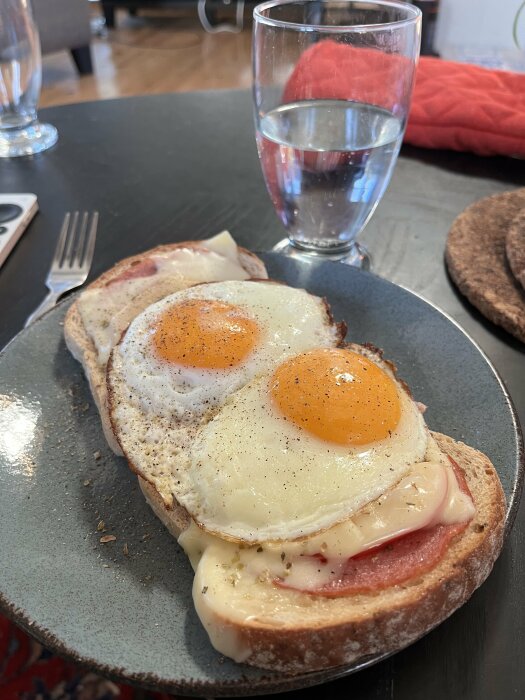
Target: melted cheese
107,311
428,495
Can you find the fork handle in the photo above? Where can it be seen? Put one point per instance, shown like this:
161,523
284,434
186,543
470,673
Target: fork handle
48,303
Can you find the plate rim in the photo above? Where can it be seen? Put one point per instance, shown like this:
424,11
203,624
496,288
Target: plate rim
273,682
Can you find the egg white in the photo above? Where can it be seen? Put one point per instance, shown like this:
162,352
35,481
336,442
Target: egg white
157,407
255,476
289,320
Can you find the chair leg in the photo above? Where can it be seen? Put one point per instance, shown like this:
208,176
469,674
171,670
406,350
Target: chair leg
82,58
109,13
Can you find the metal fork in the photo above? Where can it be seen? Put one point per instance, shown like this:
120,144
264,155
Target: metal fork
71,261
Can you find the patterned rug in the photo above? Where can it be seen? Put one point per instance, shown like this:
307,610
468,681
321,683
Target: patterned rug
28,671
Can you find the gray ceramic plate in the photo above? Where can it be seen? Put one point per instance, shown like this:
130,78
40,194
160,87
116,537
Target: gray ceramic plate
131,615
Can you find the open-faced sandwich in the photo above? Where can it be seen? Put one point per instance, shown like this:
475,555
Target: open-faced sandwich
324,521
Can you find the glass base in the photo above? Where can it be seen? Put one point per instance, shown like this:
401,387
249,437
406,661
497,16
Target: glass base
357,255
27,141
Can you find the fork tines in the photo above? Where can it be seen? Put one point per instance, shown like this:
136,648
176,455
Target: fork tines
71,260
76,244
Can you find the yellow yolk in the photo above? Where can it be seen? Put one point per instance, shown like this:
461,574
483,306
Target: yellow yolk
204,333
337,395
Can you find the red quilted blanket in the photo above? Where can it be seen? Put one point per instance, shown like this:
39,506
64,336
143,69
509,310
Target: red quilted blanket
455,105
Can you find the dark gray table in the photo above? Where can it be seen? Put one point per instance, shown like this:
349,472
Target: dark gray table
177,167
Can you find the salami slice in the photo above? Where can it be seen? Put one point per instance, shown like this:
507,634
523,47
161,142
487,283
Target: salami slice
397,561
143,268
393,562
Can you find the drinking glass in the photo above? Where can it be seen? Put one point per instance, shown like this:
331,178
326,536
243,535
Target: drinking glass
332,86
21,133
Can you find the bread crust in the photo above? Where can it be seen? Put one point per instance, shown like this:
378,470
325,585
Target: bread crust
81,346
176,519
390,619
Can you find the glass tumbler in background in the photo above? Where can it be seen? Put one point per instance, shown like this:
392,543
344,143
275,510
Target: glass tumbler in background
332,86
21,133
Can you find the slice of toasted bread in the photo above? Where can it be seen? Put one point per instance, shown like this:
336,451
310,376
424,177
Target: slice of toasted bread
294,632
82,347
176,519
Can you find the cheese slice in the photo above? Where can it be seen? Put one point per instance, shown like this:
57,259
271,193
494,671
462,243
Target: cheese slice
107,311
428,495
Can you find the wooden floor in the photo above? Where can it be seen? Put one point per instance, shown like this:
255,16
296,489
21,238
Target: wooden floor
152,53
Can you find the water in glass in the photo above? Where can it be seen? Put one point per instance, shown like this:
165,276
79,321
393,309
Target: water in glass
332,83
326,165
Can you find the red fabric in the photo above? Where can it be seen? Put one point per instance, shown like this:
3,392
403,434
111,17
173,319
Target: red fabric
468,108
28,671
328,70
455,105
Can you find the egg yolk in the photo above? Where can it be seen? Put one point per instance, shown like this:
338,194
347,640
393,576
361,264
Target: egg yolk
337,395
205,333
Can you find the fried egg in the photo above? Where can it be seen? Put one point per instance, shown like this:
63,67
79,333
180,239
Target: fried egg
182,357
107,310
307,446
